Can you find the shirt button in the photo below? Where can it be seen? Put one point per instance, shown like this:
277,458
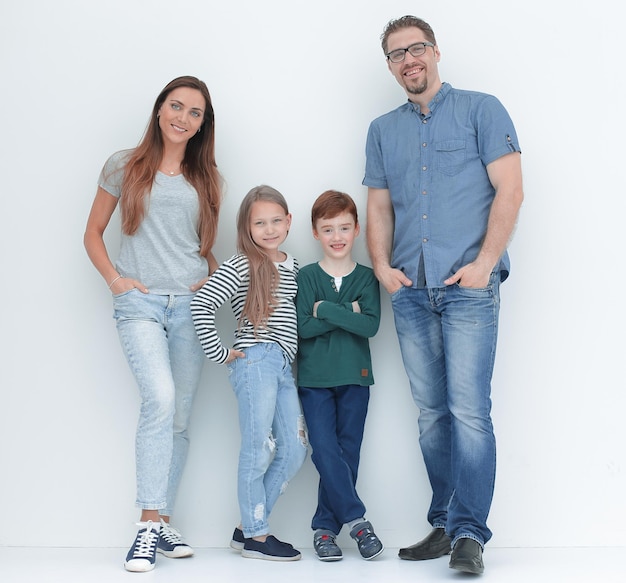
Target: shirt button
424,121
424,216
424,240
423,144
423,192
424,167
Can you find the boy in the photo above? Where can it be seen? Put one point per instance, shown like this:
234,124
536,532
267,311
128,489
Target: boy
338,305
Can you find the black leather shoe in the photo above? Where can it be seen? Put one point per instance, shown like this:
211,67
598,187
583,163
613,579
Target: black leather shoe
436,544
467,556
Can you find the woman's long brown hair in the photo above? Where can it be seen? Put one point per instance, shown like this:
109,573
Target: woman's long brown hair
198,167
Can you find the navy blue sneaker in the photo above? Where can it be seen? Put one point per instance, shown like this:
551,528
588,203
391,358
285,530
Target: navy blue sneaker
142,555
238,540
171,543
369,544
271,550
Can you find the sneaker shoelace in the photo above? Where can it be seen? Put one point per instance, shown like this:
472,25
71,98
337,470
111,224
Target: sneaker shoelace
146,543
170,534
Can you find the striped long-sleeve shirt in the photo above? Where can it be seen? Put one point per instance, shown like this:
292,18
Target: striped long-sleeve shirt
230,282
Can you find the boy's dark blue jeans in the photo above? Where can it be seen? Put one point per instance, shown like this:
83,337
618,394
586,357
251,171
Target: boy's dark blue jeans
335,419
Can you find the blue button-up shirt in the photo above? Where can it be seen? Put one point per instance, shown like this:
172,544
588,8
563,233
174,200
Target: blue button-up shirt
434,166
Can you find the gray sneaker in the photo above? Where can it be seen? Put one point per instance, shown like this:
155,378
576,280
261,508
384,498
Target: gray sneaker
326,547
369,544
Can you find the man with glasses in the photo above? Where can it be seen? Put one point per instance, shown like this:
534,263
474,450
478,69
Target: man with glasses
444,182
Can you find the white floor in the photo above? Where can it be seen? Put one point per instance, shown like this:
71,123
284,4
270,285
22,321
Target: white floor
49,565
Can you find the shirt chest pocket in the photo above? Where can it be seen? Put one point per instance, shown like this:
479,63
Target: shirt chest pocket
450,156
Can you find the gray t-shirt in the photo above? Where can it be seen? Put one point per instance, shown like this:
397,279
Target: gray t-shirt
164,253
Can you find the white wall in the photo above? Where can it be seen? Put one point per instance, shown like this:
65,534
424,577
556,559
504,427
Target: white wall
295,86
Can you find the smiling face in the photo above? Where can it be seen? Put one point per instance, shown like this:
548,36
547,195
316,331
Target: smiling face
336,235
181,115
269,225
418,76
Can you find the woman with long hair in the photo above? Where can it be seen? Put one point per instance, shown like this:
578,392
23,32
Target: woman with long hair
169,194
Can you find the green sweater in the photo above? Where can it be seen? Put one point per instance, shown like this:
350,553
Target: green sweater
333,349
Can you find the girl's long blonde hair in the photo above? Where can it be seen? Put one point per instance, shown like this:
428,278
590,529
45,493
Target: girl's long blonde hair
198,167
264,277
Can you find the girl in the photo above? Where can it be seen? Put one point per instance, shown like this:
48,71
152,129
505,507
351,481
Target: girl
169,193
260,281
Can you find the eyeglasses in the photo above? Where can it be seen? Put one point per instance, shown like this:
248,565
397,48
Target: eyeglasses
415,50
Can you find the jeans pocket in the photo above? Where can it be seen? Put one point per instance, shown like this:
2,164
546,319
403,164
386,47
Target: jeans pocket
481,290
396,294
125,307
124,293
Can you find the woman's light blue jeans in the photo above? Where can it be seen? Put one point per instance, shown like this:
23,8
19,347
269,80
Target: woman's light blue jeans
162,348
273,435
448,342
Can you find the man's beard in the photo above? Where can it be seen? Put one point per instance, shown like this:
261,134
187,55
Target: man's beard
417,89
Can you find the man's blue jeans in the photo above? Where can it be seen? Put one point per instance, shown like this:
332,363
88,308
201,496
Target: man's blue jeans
448,342
335,419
